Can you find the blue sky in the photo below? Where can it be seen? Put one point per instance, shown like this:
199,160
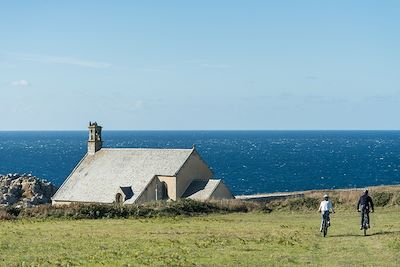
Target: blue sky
175,65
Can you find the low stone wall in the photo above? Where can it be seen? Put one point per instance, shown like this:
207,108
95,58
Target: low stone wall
25,190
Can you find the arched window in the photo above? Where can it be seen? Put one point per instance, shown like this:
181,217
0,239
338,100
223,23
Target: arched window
119,198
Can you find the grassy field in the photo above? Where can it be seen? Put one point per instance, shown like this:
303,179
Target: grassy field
238,239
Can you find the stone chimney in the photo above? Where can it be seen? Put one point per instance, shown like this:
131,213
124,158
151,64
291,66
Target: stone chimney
95,142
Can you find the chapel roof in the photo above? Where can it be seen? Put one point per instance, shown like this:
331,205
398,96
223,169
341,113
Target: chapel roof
201,189
98,177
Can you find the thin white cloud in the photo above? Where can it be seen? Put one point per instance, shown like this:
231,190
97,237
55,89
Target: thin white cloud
66,61
20,83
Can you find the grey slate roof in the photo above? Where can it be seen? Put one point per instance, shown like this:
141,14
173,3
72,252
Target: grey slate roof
98,177
201,189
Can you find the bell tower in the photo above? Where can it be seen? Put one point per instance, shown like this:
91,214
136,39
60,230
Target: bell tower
95,142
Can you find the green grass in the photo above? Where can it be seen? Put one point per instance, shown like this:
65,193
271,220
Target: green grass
236,239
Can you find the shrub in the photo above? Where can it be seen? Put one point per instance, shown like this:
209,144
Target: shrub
4,215
396,199
381,198
295,204
188,207
303,203
13,211
185,207
237,205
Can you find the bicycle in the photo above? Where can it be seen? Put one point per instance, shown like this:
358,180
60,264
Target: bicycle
365,224
325,224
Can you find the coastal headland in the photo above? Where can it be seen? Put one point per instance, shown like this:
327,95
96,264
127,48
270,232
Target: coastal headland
282,231
280,238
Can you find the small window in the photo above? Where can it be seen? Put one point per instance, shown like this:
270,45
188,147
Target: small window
119,199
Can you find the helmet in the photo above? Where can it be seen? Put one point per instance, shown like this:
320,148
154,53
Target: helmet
366,191
326,196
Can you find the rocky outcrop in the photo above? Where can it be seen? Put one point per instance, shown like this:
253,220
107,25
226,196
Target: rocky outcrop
25,190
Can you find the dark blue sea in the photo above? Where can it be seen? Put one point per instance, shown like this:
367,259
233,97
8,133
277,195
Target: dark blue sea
248,161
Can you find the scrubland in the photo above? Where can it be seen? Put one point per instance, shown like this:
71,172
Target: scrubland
189,233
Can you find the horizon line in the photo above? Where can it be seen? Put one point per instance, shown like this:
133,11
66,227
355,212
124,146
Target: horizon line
206,130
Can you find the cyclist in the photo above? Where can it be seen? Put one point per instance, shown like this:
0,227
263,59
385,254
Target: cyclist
364,205
324,208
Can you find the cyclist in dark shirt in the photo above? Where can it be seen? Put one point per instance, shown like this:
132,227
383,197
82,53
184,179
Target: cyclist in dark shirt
364,205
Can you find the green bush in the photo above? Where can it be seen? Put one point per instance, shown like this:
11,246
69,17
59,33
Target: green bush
381,198
396,199
295,204
4,215
303,203
185,207
13,211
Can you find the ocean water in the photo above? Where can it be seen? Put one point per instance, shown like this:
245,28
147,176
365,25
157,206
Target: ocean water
248,161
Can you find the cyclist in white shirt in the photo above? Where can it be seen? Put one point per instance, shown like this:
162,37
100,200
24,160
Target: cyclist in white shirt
324,208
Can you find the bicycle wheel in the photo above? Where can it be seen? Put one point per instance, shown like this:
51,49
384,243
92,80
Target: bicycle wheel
365,224
325,229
